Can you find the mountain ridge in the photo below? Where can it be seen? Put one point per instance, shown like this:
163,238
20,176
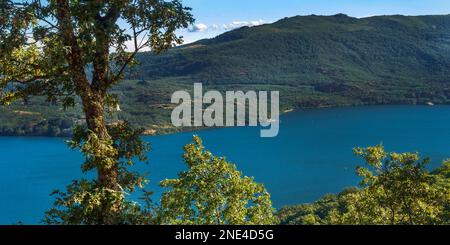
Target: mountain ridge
313,39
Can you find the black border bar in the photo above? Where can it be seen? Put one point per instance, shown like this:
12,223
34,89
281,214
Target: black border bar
225,234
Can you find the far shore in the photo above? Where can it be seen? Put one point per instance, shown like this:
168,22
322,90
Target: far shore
169,130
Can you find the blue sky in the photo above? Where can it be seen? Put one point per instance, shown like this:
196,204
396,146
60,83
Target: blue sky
217,16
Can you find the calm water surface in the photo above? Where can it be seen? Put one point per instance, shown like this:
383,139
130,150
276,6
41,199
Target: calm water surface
311,156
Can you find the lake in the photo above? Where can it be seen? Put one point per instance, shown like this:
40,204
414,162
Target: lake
311,156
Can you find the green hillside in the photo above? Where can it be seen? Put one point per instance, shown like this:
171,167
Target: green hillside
366,58
314,61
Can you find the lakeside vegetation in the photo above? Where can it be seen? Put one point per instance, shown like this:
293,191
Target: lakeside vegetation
395,189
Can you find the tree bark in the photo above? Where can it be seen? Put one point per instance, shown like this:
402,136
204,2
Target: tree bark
94,111
92,96
107,176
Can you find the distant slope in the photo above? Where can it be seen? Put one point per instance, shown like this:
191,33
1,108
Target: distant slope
311,49
314,61
332,53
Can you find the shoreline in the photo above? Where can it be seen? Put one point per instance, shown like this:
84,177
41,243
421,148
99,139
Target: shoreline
284,112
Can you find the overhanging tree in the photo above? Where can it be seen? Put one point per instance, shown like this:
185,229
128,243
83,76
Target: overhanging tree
64,49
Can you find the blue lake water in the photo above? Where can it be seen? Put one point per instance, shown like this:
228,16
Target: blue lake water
311,156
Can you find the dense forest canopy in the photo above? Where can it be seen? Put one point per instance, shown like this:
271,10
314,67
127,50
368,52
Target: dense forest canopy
342,52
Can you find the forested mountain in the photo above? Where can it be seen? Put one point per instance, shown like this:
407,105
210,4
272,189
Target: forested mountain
314,61
333,54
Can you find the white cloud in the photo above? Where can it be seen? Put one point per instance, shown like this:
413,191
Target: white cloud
225,27
238,24
198,28
130,46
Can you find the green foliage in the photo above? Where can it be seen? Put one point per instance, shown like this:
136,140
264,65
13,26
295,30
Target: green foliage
37,58
395,189
85,201
212,191
71,52
317,213
444,170
403,191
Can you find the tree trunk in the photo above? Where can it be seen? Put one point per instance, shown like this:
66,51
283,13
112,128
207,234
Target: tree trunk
92,94
93,106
